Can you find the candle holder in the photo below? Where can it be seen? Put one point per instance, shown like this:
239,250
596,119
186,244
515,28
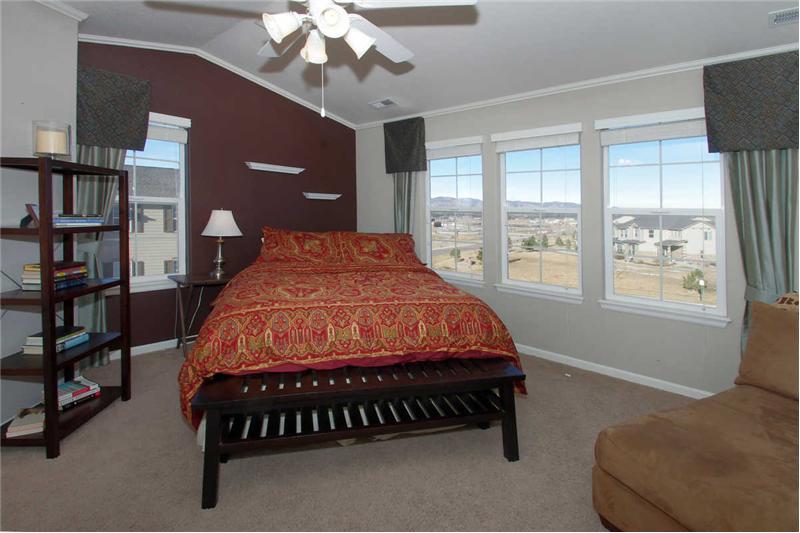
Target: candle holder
51,138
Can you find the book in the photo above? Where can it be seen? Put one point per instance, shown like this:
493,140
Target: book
75,402
59,277
62,333
74,389
58,265
27,422
60,347
78,215
65,284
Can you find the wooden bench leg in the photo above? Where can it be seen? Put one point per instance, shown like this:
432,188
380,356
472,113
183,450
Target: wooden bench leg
211,459
510,444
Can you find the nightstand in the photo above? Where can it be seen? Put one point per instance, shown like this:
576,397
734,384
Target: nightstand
184,281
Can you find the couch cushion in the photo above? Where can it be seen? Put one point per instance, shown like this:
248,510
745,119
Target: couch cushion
770,360
727,462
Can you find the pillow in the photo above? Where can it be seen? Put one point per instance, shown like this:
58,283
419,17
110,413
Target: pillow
770,360
284,246
788,301
378,248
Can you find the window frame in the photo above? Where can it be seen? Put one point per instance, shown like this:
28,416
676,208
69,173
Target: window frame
448,149
687,312
541,138
161,281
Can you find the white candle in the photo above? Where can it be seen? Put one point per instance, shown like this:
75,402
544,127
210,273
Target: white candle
51,142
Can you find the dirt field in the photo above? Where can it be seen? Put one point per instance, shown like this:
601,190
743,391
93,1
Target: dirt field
558,267
641,279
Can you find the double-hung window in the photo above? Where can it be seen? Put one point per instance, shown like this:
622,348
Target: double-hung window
540,174
664,225
157,200
455,208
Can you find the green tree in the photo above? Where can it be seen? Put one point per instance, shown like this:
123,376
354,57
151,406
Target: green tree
530,243
568,244
545,242
479,257
691,281
559,242
455,252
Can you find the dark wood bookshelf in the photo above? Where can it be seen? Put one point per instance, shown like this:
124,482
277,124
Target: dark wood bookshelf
21,364
34,232
68,421
52,365
27,298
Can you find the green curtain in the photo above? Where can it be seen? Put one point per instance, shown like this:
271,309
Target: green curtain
404,192
764,188
95,195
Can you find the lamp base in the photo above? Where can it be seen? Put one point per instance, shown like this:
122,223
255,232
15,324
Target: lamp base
218,273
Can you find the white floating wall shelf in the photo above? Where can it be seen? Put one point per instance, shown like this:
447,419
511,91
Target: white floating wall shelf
321,196
266,167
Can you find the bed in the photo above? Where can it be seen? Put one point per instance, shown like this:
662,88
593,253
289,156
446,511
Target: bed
338,334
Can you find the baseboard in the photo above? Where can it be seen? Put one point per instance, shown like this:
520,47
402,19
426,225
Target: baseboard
614,372
147,348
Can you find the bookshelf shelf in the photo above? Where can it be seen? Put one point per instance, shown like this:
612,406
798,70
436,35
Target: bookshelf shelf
51,364
68,421
20,364
18,297
34,232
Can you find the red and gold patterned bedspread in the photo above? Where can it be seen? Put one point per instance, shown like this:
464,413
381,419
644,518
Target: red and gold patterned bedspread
284,317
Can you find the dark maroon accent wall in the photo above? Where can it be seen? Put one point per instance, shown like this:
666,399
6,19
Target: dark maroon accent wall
233,121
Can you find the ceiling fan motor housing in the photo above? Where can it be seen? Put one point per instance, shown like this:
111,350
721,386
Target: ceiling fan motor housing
331,19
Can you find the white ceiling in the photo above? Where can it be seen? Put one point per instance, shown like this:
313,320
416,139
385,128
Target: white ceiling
463,54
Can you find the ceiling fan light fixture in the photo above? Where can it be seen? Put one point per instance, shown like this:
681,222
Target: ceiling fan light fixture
358,41
281,25
314,50
332,20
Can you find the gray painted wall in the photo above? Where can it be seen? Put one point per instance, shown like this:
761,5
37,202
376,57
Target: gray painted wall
695,356
38,82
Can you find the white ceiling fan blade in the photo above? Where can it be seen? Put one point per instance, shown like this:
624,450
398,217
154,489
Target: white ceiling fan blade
384,43
388,4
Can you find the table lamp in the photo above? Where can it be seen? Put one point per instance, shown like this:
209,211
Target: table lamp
220,224
51,138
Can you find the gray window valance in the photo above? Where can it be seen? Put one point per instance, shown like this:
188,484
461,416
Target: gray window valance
752,104
113,109
404,143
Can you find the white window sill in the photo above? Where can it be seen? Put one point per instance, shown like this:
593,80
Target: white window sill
148,285
555,295
702,318
461,280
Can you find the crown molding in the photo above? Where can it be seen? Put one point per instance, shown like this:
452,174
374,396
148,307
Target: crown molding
165,47
594,82
64,9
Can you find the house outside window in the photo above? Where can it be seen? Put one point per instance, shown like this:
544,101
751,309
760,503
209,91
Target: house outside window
661,181
157,196
455,209
540,174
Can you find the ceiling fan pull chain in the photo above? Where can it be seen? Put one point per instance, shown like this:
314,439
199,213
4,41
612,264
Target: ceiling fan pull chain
322,80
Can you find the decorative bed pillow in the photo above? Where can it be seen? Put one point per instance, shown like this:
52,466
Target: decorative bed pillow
770,361
285,246
788,301
378,248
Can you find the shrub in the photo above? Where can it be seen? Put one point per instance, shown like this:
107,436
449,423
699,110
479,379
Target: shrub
691,281
455,252
479,257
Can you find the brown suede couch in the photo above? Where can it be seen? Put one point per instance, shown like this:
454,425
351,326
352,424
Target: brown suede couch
726,462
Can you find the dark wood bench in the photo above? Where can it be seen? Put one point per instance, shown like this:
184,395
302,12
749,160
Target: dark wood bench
270,410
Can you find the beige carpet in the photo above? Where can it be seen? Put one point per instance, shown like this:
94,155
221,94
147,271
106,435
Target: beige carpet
136,467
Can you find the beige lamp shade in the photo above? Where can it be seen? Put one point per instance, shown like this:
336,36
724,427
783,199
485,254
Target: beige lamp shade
314,50
358,41
221,224
281,25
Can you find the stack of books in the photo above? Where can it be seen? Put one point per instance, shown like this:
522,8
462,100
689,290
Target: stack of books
66,338
72,393
28,422
66,273
66,220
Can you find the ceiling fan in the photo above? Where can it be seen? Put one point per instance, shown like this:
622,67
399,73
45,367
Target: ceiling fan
327,19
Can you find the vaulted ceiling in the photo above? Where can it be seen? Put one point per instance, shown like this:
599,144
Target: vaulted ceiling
463,54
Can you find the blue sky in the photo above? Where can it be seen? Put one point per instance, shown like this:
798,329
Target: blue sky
691,175
157,150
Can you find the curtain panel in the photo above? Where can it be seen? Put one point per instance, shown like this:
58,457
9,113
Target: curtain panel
112,109
752,104
404,145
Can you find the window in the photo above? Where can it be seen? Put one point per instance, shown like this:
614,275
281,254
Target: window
156,189
662,179
541,191
455,206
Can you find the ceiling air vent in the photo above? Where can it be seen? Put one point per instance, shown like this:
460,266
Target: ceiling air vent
380,104
784,16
